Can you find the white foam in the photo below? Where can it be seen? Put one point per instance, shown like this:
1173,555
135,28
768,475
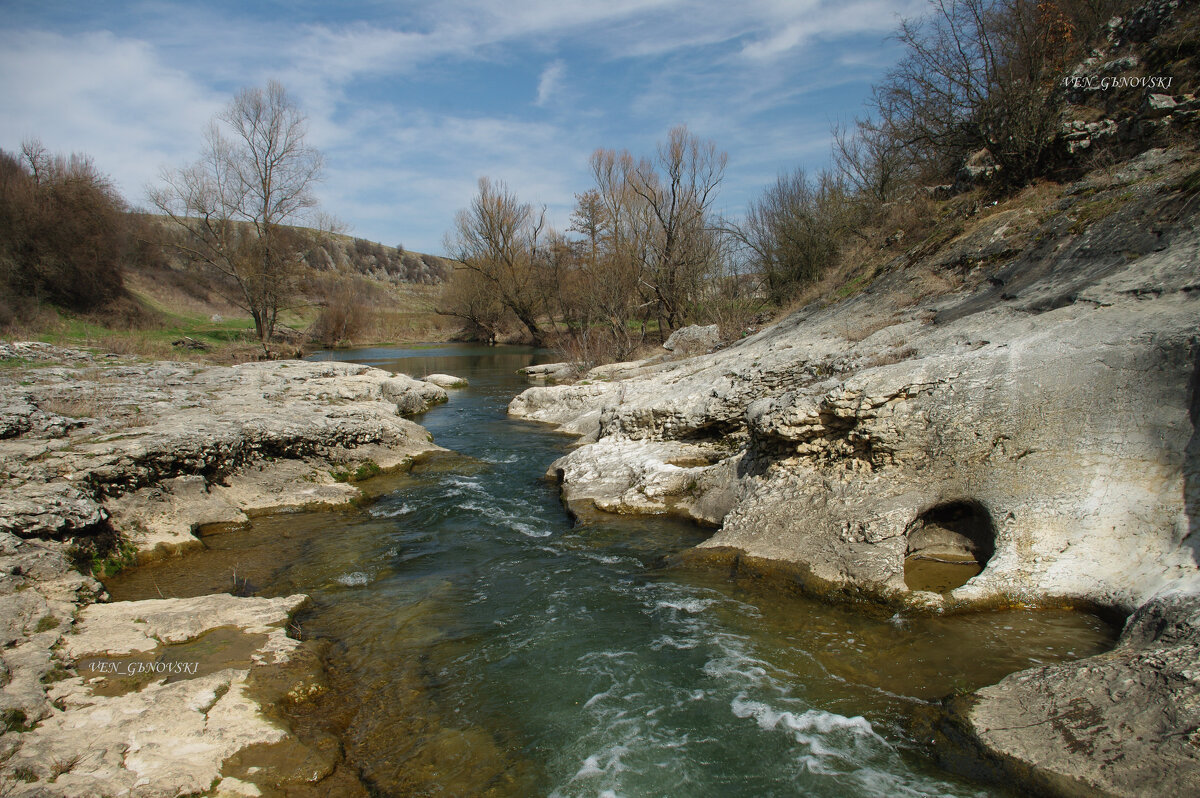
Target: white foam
391,512
667,641
529,531
606,762
692,605
813,721
353,579
743,667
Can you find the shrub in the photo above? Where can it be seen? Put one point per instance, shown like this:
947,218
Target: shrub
64,231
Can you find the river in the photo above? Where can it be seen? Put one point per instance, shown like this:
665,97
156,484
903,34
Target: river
480,644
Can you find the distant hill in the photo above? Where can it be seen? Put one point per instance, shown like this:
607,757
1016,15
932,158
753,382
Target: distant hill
378,261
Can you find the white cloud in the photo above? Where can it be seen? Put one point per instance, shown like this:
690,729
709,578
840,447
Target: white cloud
550,82
808,21
109,97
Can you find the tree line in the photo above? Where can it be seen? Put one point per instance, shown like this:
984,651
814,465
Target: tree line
644,257
645,253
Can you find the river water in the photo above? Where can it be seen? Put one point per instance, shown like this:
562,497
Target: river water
479,644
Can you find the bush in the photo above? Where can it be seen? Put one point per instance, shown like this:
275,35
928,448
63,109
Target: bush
64,232
985,74
345,313
794,231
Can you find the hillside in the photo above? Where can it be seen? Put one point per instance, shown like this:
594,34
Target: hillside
349,291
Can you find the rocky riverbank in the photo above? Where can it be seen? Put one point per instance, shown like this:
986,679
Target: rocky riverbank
105,462
1005,415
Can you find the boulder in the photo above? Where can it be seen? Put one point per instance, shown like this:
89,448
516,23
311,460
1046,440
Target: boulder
693,340
552,372
446,381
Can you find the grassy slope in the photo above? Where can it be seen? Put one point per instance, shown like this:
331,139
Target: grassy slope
165,306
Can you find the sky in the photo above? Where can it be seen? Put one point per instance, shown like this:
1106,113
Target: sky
411,103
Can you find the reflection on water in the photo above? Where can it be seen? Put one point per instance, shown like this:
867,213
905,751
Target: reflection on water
482,646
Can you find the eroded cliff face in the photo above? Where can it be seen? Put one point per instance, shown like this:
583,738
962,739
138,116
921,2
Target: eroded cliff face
1036,425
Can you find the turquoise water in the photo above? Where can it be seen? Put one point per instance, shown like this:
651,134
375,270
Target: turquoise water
481,645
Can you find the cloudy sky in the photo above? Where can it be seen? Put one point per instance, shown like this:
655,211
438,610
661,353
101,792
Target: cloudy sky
412,102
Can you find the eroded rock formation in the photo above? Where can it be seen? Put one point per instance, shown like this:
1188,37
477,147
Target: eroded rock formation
1036,424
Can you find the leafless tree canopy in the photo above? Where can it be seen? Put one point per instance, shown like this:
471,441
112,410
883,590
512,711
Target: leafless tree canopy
979,74
794,230
503,243
647,251
678,189
254,177
64,232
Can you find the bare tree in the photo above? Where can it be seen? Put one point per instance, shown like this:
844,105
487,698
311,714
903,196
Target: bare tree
603,292
611,300
504,242
37,159
470,297
679,187
870,161
795,229
977,74
254,177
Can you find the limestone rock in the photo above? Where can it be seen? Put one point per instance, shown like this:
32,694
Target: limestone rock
1122,723
552,372
646,477
693,340
575,408
413,396
169,736
161,439
126,627
57,509
446,381
92,447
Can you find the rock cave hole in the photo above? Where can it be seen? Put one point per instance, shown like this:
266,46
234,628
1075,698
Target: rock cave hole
947,545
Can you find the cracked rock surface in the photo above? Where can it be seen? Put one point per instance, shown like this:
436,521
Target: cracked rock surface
99,449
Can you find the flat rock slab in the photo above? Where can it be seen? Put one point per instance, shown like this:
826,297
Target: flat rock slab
97,449
177,719
125,627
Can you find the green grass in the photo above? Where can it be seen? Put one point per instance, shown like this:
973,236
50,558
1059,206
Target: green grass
15,720
365,470
147,324
852,286
117,559
47,623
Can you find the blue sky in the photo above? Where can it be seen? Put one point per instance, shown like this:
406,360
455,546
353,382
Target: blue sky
412,102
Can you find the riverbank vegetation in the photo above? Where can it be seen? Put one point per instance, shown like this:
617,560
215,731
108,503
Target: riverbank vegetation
984,113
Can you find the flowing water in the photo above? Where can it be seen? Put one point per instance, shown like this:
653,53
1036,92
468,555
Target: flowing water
481,645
